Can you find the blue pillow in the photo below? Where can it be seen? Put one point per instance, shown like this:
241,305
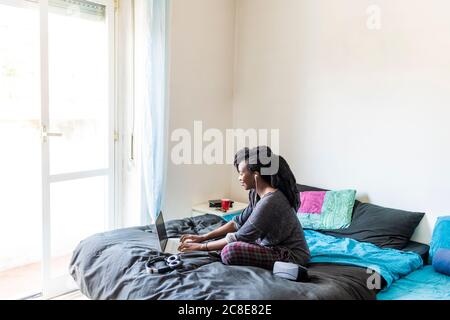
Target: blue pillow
441,236
441,261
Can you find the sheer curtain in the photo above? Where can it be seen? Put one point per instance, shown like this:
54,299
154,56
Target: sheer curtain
154,122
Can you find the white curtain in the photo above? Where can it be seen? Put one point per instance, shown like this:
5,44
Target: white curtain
154,122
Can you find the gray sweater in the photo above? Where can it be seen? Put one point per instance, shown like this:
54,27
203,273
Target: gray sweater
272,222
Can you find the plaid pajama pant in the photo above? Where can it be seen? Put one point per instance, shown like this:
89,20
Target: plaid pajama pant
249,254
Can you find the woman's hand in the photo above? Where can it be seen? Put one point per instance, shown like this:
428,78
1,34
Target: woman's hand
190,246
192,238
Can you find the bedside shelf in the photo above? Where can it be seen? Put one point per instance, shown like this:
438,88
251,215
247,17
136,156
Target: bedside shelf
204,208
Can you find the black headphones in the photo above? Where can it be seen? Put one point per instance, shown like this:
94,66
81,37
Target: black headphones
172,262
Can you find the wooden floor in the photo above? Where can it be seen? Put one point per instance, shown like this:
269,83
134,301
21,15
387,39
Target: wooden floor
20,282
76,295
24,281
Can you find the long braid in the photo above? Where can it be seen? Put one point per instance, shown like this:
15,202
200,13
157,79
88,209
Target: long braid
285,181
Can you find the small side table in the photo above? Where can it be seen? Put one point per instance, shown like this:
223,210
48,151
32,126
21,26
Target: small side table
204,208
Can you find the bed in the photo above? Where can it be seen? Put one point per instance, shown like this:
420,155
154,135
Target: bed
111,265
422,284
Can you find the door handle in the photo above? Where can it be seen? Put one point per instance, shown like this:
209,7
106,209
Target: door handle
45,134
54,134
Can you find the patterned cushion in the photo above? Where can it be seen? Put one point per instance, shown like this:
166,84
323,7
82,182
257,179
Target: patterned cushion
321,210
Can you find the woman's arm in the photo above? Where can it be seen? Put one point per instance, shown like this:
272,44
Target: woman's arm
218,233
215,245
221,231
209,246
186,246
260,222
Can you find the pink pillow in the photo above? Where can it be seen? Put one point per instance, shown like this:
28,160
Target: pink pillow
311,201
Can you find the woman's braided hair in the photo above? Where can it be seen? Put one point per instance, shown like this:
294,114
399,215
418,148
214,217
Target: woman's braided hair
273,169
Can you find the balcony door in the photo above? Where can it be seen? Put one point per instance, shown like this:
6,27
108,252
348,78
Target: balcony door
57,127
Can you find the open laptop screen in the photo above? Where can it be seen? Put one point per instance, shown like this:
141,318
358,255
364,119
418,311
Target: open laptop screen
161,230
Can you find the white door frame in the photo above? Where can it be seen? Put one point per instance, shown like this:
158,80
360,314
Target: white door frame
52,287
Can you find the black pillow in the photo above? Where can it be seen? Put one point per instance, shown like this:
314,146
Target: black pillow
384,227
304,188
420,248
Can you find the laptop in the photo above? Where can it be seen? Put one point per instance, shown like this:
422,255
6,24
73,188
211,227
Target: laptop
167,245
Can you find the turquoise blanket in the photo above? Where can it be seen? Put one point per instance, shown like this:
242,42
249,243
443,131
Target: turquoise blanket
391,264
422,284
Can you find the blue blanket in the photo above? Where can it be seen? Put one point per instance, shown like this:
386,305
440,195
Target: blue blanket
422,284
391,264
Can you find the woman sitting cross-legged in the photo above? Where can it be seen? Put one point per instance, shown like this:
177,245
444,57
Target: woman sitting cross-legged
268,229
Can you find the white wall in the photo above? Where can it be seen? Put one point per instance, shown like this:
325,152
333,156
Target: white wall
356,108
201,88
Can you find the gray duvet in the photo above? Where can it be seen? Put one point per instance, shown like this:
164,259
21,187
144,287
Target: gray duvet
111,265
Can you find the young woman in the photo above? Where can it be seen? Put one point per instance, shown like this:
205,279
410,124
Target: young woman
268,229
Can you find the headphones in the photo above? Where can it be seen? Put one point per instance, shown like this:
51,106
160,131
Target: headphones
256,186
172,262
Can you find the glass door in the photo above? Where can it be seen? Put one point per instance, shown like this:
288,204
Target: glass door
56,138
77,130
20,151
